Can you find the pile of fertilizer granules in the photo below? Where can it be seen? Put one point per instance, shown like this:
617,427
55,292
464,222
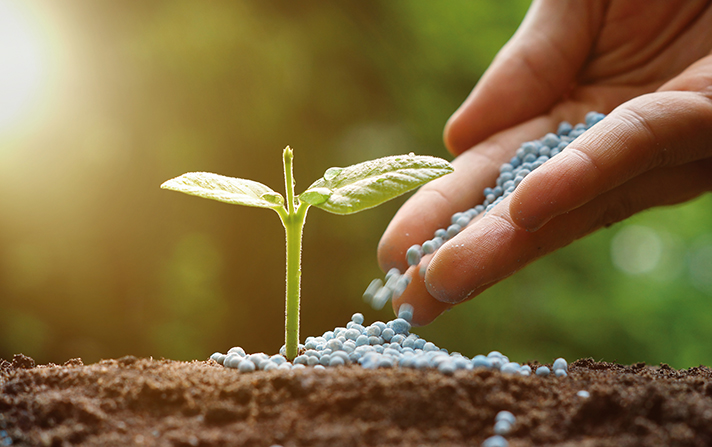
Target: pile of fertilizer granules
379,345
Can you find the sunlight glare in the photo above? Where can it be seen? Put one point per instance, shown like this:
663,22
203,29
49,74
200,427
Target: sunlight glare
22,64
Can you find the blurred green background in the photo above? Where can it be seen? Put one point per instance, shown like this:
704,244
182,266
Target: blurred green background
102,101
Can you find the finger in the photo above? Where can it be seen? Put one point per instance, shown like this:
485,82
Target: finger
696,78
425,307
433,205
659,129
496,247
532,72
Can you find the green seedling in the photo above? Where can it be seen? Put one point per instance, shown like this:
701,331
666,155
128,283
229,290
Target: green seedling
340,191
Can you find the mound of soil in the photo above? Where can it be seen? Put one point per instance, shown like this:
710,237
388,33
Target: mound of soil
131,401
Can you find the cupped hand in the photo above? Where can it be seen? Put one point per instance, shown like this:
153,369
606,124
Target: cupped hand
646,64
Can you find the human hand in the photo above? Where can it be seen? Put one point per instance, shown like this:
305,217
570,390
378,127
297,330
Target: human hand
648,62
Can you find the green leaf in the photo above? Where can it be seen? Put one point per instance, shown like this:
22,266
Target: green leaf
225,189
373,182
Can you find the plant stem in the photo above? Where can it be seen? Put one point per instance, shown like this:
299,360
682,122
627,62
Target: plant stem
293,221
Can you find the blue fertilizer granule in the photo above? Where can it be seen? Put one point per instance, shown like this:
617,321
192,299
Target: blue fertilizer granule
378,345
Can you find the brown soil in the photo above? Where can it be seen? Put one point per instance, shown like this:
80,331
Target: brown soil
148,402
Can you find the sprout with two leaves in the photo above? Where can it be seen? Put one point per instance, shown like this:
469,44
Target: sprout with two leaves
340,191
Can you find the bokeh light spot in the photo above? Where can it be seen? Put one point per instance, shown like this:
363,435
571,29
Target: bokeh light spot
700,266
22,63
636,249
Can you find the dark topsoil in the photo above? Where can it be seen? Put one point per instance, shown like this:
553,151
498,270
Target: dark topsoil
133,401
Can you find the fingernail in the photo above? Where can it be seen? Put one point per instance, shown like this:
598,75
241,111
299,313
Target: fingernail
420,320
445,295
529,223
